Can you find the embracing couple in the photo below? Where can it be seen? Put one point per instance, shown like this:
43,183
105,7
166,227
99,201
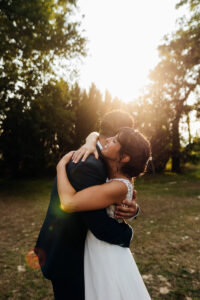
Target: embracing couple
83,245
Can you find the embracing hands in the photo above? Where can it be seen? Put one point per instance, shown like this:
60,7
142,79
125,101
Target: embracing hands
83,152
88,148
127,209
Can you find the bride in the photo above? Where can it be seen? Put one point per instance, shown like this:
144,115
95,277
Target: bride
110,271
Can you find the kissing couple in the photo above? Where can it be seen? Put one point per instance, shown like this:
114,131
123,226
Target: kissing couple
83,245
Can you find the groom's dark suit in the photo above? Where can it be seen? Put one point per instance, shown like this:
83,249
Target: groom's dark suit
60,245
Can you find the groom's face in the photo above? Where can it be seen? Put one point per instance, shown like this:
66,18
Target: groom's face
111,148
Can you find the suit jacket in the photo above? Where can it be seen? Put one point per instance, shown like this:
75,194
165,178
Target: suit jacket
60,245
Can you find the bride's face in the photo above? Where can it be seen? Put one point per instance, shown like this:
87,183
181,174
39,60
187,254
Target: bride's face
111,149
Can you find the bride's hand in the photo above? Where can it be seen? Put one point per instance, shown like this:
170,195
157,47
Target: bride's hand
88,148
65,159
83,152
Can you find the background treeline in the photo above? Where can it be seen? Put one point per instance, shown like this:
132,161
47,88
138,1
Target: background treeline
42,117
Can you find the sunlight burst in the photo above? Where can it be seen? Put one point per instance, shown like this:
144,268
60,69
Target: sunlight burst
123,39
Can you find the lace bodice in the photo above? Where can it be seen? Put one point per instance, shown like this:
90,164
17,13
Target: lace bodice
111,209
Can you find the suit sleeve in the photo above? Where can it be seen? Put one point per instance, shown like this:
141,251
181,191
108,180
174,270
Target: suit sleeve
100,224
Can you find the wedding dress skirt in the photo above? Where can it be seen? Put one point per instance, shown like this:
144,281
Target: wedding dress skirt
111,272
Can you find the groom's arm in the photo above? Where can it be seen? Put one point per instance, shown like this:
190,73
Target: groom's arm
108,229
89,173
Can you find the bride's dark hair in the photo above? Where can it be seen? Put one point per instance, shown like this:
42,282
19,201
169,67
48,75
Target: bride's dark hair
137,147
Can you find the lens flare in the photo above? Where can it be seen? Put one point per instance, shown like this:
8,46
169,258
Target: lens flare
32,260
50,228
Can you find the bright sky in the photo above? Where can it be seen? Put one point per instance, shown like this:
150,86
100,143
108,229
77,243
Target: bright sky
123,38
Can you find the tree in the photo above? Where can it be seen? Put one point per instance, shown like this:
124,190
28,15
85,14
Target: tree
33,34
175,90
44,133
89,108
191,153
151,116
178,73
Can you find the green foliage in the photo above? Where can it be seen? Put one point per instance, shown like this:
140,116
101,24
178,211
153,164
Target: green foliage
192,3
41,118
88,109
33,34
177,75
191,153
36,140
151,117
54,119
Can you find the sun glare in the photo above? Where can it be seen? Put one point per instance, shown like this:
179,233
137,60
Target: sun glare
123,38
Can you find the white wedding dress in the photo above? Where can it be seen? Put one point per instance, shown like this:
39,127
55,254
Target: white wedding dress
110,271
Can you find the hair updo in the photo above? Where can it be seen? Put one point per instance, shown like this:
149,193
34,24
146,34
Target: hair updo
137,147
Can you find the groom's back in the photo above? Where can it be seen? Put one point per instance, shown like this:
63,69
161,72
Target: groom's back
60,245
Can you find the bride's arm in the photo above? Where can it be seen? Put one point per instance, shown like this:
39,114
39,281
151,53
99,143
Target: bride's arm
88,148
92,198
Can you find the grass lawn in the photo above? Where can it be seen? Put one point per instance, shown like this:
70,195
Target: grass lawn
166,243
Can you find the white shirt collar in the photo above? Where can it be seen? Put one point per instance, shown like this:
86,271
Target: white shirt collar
99,145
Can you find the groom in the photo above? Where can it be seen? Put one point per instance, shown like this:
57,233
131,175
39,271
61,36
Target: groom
60,245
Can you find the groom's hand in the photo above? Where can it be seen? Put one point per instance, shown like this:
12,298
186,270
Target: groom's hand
128,209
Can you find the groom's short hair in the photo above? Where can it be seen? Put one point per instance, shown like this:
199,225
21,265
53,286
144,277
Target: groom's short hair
113,121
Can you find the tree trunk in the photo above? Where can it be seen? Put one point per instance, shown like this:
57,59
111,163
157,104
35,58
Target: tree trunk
189,129
176,146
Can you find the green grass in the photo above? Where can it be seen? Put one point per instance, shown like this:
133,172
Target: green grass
165,246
